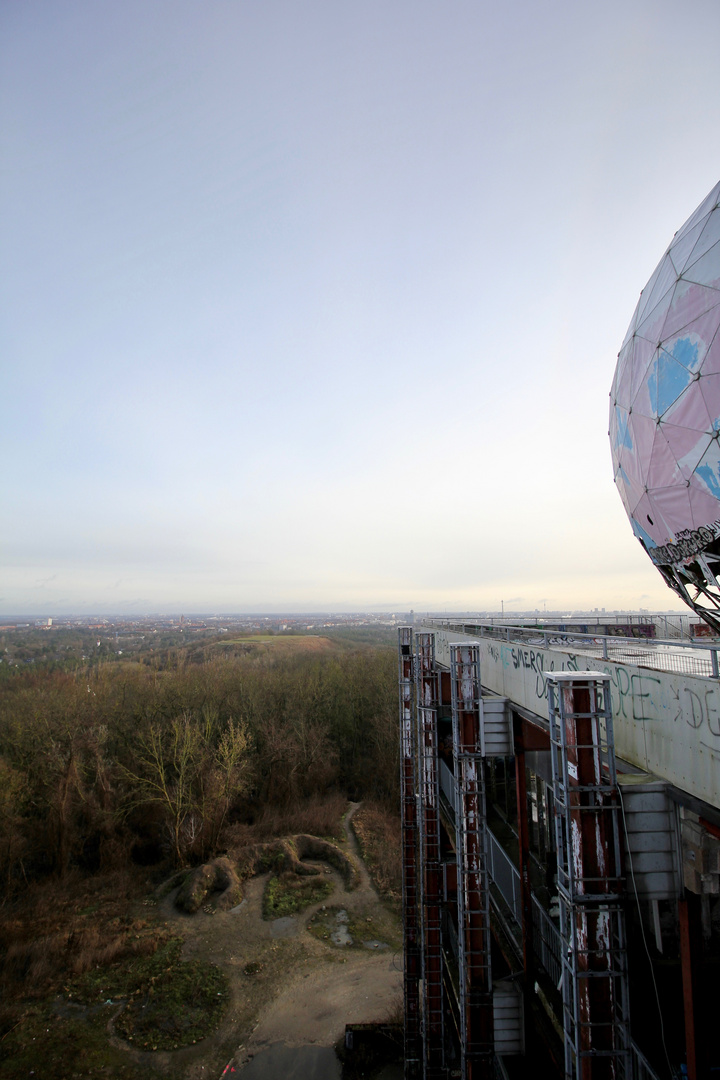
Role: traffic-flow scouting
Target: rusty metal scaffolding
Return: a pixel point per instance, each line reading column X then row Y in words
column 411, row 928
column 589, row 876
column 476, row 1004
column 431, row 880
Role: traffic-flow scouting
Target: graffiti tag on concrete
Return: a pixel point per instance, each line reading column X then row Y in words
column 666, row 723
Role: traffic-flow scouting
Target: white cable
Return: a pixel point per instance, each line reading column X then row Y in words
column 642, row 931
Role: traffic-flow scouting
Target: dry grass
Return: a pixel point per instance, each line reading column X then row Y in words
column 378, row 833
column 64, row 929
column 395, row 1012
column 319, row 816
column 279, row 643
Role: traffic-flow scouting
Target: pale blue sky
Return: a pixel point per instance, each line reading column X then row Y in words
column 312, row 305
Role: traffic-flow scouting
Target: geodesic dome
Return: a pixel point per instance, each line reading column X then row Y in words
column 665, row 414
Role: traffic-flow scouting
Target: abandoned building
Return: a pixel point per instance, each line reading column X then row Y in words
column 561, row 853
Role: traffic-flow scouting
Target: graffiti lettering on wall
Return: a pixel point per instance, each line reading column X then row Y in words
column 688, row 542
column 534, row 660
column 666, row 723
column 636, row 695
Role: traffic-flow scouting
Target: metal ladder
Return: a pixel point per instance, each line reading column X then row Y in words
column 476, row 1003
column 590, row 886
column 408, row 804
column 433, row 1027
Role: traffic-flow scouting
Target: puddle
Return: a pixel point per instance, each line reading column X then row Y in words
column 375, row 945
column 341, row 935
column 286, row 927
column 292, row 1063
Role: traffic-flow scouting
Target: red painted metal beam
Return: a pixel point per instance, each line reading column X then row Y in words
column 698, row 1024
column 595, row 872
column 408, row 802
column 519, row 731
column 432, row 873
column 477, row 1056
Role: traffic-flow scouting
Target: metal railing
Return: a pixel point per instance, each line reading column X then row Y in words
column 678, row 657
column 505, row 876
column 641, row 1067
column 547, row 941
column 447, row 785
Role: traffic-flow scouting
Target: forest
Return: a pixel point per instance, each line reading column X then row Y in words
column 137, row 762
column 116, row 774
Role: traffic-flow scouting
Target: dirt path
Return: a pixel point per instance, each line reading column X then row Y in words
column 344, row 985
column 314, row 1006
column 289, row 985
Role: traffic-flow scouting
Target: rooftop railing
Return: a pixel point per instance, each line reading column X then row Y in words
column 677, row 657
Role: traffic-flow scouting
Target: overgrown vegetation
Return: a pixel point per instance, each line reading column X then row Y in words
column 377, row 830
column 127, row 763
column 336, row 926
column 286, row 894
column 59, row 1047
column 117, row 776
column 169, row 1002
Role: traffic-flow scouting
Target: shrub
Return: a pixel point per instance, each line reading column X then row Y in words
column 377, row 830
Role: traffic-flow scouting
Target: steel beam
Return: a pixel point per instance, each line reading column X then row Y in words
column 524, row 853
column 476, row 1005
column 433, row 1028
column 408, row 804
column 698, row 1025
column 595, row 985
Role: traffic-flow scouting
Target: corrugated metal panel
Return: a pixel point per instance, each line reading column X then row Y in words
column 508, row 1018
column 496, row 730
column 651, row 839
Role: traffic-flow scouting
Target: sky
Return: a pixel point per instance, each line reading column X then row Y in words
column 316, row 305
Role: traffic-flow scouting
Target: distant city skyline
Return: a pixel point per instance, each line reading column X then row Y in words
column 398, row 612
column 315, row 307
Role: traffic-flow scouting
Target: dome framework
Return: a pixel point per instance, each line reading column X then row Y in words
column 665, row 414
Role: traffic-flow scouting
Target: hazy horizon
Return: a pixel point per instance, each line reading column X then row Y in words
column 314, row 306
column 398, row 610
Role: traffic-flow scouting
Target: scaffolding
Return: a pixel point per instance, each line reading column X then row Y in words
column 430, row 879
column 476, row 1003
column 411, row 930
column 589, row 878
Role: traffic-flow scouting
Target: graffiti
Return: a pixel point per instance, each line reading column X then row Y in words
column 712, row 713
column 525, row 658
column 534, row 660
column 697, row 708
column 633, row 693
column 637, row 696
column 666, row 723
column 688, row 543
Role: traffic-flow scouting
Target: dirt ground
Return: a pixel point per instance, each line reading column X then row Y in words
column 288, row 985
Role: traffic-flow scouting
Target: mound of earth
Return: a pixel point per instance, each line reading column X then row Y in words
column 294, row 982
column 225, row 875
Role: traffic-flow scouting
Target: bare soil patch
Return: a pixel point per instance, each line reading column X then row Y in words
column 280, row 980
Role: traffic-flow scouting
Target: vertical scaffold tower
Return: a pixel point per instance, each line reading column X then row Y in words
column 592, row 923
column 476, row 1006
column 433, row 1029
column 411, row 929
